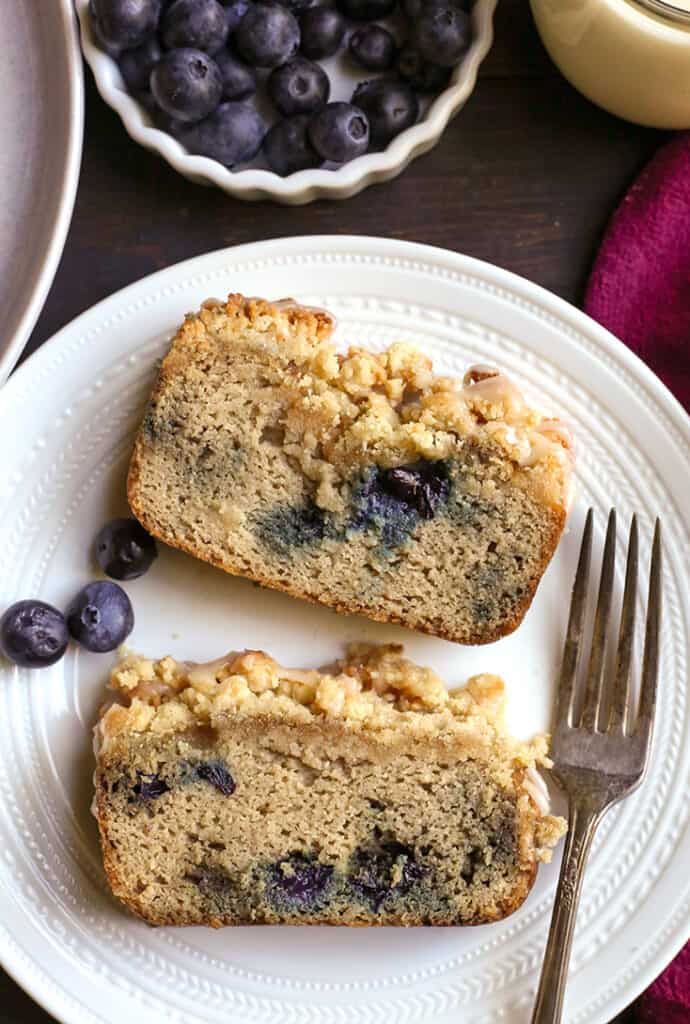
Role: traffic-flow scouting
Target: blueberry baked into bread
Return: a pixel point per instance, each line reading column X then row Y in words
column 361, row 481
column 367, row 794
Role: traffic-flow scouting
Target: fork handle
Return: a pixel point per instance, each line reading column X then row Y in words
column 549, row 1004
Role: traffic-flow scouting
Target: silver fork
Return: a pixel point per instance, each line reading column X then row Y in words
column 600, row 748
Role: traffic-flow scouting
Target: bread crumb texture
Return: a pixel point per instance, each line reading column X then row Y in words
column 239, row 791
column 360, row 480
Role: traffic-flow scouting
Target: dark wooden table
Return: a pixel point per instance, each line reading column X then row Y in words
column 526, row 177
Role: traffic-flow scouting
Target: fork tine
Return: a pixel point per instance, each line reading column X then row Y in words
column 650, row 661
column 576, row 621
column 595, row 673
column 620, row 700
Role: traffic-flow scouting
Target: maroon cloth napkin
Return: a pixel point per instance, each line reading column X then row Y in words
column 640, row 284
column 640, row 290
column 667, row 1000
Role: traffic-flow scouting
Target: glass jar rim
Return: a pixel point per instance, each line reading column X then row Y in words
column 666, row 9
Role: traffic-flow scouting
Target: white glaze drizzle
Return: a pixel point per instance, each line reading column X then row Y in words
column 537, row 789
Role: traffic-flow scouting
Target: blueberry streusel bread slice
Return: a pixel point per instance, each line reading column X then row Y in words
column 361, row 481
column 243, row 792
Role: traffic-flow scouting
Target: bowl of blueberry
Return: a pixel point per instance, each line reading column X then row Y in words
column 291, row 100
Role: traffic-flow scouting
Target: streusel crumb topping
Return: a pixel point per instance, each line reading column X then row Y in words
column 374, row 688
column 389, row 407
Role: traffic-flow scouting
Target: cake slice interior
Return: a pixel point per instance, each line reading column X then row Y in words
column 364, row 794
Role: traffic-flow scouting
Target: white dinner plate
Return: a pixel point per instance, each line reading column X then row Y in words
column 42, row 119
column 67, row 419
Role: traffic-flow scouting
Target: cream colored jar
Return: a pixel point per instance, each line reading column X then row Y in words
column 631, row 57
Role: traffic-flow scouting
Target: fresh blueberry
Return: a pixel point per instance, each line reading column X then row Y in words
column 123, row 24
column 298, row 7
column 239, row 80
column 323, row 31
column 100, row 617
column 136, row 65
column 33, row 634
column 149, row 786
column 339, row 132
column 268, row 35
column 187, row 84
column 413, row 9
column 373, row 47
column 200, row 24
column 149, row 104
column 390, row 106
column 99, row 39
column 124, row 549
column 386, row 869
column 168, row 124
column 231, row 135
column 288, row 148
column 442, row 34
column 217, row 774
column 299, row 87
column 298, row 880
column 420, row 73
column 235, row 10
column 366, row 10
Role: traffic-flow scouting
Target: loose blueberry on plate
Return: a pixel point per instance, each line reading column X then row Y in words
column 323, row 31
column 299, row 87
column 366, row 10
column 33, row 634
column 100, row 617
column 390, row 106
column 136, row 65
column 235, row 10
column 373, row 47
column 339, row 132
column 232, row 134
column 123, row 24
column 124, row 549
column 239, row 80
column 187, row 84
column 442, row 34
column 420, row 73
column 288, row 148
column 200, row 24
column 267, row 36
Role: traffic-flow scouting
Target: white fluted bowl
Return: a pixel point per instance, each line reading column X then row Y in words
column 305, row 186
